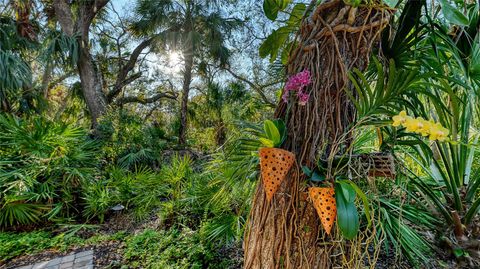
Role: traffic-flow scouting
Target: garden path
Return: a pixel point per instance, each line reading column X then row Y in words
column 79, row 260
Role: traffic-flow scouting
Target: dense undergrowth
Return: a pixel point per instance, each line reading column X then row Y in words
column 196, row 211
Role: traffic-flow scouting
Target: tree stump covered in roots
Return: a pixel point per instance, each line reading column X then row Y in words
column 286, row 232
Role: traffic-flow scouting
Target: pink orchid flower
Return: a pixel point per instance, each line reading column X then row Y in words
column 297, row 83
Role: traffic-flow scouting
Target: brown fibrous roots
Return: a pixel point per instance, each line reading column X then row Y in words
column 286, row 232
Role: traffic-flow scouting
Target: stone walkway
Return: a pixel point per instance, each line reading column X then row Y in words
column 80, row 260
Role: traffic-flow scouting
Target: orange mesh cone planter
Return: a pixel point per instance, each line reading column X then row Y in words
column 324, row 202
column 274, row 165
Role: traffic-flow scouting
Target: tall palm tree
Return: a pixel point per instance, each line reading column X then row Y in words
column 196, row 28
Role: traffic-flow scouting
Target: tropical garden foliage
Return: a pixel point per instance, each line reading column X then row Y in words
column 176, row 134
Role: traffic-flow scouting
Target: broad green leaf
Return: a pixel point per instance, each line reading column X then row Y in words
column 347, row 215
column 297, row 14
column 453, row 14
column 347, row 191
column 286, row 52
column 272, row 132
column 316, row 177
column 274, row 42
column 364, row 198
column 272, row 7
column 267, row 47
column 282, row 129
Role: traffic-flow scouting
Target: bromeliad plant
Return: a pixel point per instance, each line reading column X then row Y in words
column 274, row 162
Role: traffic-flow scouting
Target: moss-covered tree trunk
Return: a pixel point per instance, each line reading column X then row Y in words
column 286, row 233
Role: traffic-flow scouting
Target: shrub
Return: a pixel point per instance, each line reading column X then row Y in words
column 142, row 190
column 129, row 142
column 43, row 166
column 172, row 249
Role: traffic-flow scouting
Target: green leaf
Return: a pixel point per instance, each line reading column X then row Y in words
column 297, row 14
column 347, row 215
column 348, row 191
column 272, row 132
column 364, row 198
column 282, row 129
column 272, row 7
column 316, row 177
column 267, row 142
column 474, row 64
column 453, row 14
column 458, row 252
column 472, row 211
column 285, row 56
column 274, row 42
column 307, row 171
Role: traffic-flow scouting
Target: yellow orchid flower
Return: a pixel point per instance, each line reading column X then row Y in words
column 413, row 125
column 400, row 119
column 426, row 126
column 444, row 135
column 438, row 132
column 435, row 131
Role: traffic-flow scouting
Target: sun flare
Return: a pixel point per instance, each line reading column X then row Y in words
column 174, row 61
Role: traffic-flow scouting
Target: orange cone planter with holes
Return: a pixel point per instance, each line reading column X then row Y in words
column 324, row 202
column 274, row 165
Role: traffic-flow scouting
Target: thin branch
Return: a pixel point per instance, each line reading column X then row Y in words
column 256, row 88
column 153, row 99
column 59, row 79
column 122, row 79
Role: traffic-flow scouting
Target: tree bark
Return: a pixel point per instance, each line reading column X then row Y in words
column 91, row 86
column 286, row 233
column 89, row 75
column 187, row 80
column 46, row 78
column 188, row 55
